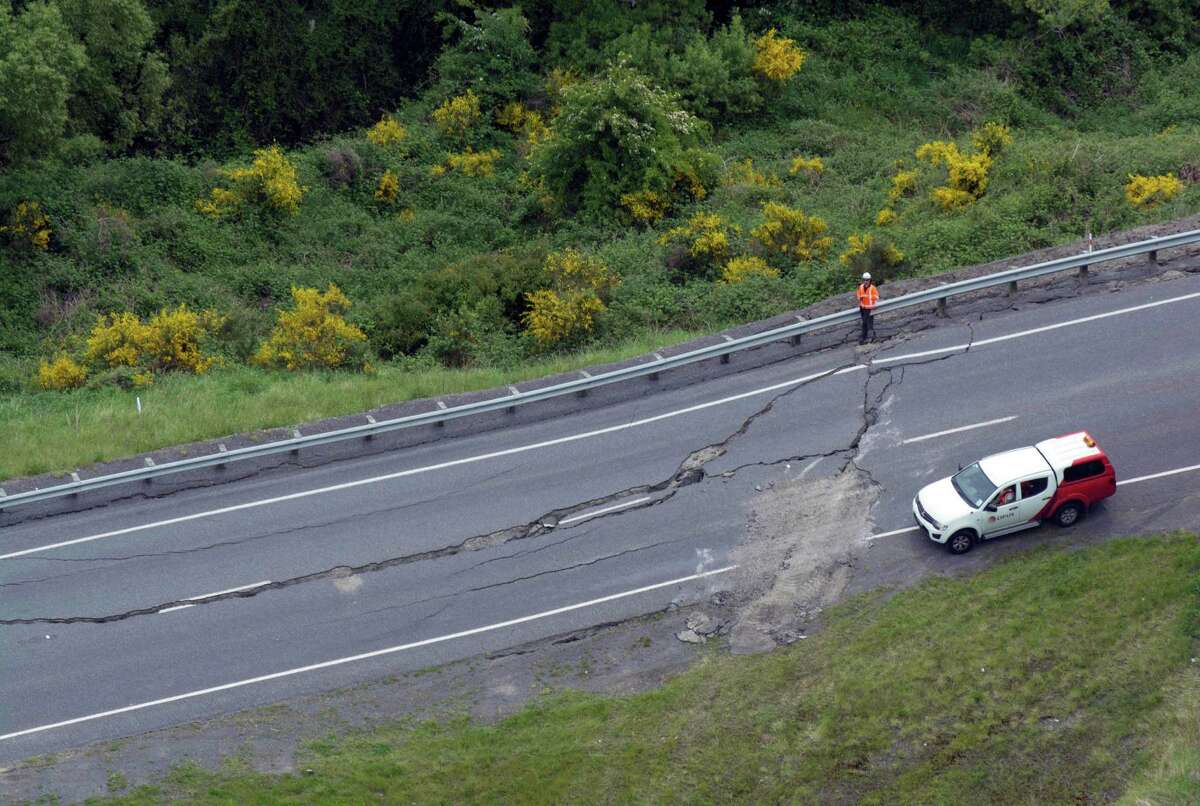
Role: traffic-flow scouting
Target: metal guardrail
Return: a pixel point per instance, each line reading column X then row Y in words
column 938, row 294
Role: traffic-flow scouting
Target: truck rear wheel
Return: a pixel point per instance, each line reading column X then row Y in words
column 1068, row 514
column 960, row 542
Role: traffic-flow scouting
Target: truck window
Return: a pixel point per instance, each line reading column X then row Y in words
column 1086, row 470
column 1034, row 487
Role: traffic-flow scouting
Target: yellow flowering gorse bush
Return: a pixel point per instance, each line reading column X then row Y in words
column 1147, row 192
column 904, row 183
column 810, row 166
column 469, row 163
column 389, row 188
column 518, row 119
column 740, row 268
column 885, row 216
column 387, row 132
column 270, row 181
column 991, row 138
column 61, row 374
column 314, row 334
column 171, row 340
column 744, row 173
column 777, row 58
column 860, row 244
column 966, row 174
column 455, row 117
column 707, row 235
column 29, row 224
column 646, row 206
column 566, row 310
column 791, row 233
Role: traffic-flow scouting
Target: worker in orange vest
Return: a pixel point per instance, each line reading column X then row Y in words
column 868, row 298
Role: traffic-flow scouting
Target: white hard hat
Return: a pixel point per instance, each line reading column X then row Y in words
column 866, row 275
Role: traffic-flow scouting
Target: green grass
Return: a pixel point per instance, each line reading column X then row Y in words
column 58, row 432
column 1055, row 677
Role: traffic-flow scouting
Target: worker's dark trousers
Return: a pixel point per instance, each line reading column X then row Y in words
column 867, row 324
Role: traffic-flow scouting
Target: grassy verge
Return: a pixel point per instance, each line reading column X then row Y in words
column 57, row 432
column 1055, row 677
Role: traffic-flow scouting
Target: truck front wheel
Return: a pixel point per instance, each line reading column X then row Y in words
column 960, row 542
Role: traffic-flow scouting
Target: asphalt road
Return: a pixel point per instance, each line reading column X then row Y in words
column 362, row 569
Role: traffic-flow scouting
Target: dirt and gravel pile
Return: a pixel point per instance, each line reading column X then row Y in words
column 797, row 557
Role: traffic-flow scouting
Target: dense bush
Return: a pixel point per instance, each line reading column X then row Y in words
column 314, row 334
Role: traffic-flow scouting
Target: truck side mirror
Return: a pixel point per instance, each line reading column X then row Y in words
column 960, row 467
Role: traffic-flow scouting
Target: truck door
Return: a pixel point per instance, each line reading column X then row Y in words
column 1035, row 493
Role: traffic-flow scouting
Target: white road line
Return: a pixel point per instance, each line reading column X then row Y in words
column 251, row 586
column 1174, row 472
column 426, row 469
column 365, row 655
column 1036, row 330
column 956, row 430
column 605, row 511
column 905, row 530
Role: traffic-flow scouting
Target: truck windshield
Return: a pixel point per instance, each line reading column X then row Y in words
column 973, row 485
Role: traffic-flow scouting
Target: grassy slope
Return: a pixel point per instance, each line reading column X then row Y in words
column 871, row 91
column 1055, row 677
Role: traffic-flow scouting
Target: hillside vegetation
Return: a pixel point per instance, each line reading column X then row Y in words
column 1057, row 677
column 265, row 189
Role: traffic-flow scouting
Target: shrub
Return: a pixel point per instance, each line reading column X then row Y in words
column 714, row 75
column 791, row 233
column 744, row 173
column 491, row 57
column 991, row 138
column 812, row 167
column 314, row 334
column 885, row 216
column 967, row 174
column 29, row 225
column 1147, row 192
column 904, row 183
column 527, row 123
column 387, row 132
column 740, row 268
column 567, row 310
column 389, row 188
column 777, row 58
column 866, row 253
column 458, row 115
column 270, row 182
column 61, row 375
column 172, row 340
column 616, row 134
column 646, row 206
column 703, row 244
column 342, row 167
column 470, row 163
column 400, row 324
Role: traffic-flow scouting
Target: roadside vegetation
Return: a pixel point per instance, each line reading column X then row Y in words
column 1055, row 677
column 532, row 181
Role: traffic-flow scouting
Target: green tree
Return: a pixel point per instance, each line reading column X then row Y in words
column 118, row 96
column 617, row 134
column 492, row 57
column 39, row 61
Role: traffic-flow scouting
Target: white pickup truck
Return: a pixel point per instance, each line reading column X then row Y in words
column 1058, row 479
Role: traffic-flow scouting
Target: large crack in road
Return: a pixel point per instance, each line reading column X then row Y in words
column 691, row 470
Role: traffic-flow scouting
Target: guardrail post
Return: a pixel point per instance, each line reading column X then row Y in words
column 1012, row 287
column 941, row 306
column 1153, row 255
column 1083, row 273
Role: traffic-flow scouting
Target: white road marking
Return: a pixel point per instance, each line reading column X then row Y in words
column 956, row 430
column 1176, row 471
column 605, row 511
column 426, row 469
column 251, row 586
column 585, row 435
column 1036, row 330
column 905, row 530
column 365, row 655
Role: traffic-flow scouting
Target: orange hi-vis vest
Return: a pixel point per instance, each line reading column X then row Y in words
column 868, row 296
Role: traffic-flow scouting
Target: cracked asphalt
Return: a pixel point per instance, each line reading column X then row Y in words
column 467, row 532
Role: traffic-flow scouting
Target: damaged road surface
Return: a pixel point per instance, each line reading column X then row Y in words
column 760, row 489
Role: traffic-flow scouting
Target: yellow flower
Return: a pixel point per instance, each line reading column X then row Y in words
column 61, row 375
column 813, row 166
column 455, row 117
column 791, row 233
column 740, row 268
column 387, row 132
column 1147, row 192
column 886, row 216
column 389, row 188
column 646, row 206
column 777, row 59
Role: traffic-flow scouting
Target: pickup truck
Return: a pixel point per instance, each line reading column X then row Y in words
column 1057, row 479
